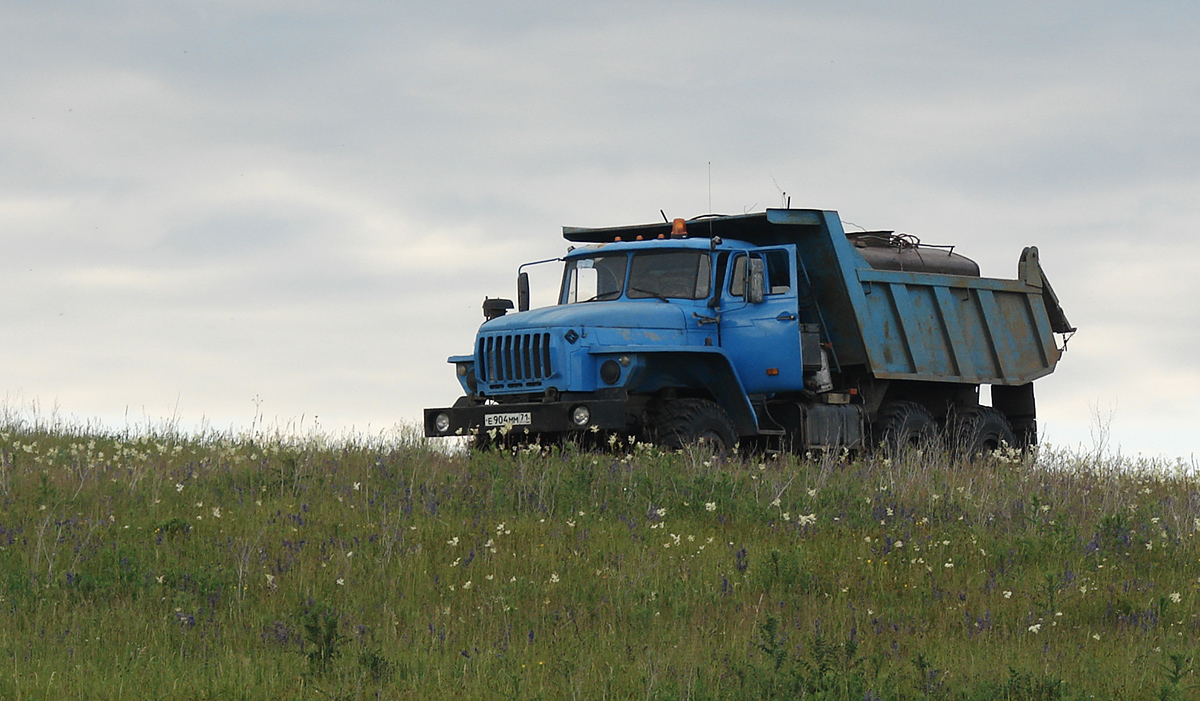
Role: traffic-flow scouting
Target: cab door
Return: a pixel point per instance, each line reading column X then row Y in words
column 762, row 339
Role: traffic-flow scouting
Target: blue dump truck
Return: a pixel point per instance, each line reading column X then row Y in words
column 775, row 328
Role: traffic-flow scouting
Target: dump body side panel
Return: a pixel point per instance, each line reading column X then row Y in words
column 948, row 328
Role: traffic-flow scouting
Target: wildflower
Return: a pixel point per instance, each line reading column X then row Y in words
column 1035, row 627
column 160, row 578
column 813, row 493
column 949, row 565
column 1008, row 595
column 357, row 486
column 570, row 523
column 775, row 503
column 466, row 585
column 1175, row 597
column 452, row 541
column 710, row 506
column 787, row 516
column 807, row 520
column 350, row 554
column 661, row 512
column 178, row 487
column 341, row 582
column 270, row 579
column 1095, row 636
column 489, row 577
column 216, row 512
column 554, row 578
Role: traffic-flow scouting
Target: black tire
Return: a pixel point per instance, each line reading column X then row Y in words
column 680, row 422
column 981, row 430
column 904, row 426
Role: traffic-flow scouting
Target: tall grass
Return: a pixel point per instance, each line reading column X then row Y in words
column 152, row 564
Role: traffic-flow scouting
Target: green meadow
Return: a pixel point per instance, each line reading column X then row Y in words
column 153, row 564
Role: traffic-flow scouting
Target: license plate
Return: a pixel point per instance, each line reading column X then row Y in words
column 520, row 418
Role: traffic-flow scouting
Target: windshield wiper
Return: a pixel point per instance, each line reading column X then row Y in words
column 600, row 296
column 652, row 293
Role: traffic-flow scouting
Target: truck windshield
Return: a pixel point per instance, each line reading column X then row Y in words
column 651, row 274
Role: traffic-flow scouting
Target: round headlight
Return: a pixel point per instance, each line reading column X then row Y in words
column 463, row 369
column 581, row 415
column 624, row 361
column 610, row 372
column 442, row 422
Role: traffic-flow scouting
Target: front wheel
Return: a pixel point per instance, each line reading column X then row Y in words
column 676, row 423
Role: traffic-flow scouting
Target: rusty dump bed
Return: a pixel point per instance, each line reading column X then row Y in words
column 901, row 324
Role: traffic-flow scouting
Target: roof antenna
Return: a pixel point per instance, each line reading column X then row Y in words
column 710, row 187
column 664, row 216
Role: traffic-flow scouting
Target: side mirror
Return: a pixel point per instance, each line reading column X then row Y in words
column 523, row 292
column 755, row 281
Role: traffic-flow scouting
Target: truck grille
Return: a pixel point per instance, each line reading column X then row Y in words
column 515, row 357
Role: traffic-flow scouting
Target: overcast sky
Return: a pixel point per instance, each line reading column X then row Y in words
column 213, row 209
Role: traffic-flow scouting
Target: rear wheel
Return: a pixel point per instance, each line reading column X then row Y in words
column 904, row 426
column 982, row 430
column 679, row 422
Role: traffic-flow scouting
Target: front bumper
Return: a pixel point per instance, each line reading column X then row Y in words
column 469, row 418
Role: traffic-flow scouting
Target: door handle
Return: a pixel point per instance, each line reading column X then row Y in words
column 786, row 316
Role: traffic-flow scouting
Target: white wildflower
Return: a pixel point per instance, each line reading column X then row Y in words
column 710, row 506
column 1035, row 627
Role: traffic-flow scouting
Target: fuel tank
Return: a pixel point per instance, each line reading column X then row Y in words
column 887, row 250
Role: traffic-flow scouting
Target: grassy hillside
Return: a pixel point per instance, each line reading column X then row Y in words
column 182, row 567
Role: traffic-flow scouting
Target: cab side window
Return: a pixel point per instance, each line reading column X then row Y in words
column 778, row 272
